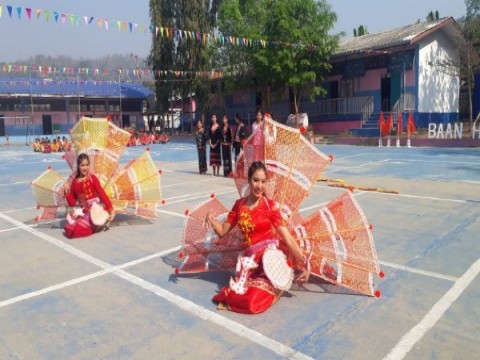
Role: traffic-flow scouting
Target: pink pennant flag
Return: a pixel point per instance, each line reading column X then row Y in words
column 63, row 18
column 29, row 13
column 135, row 25
column 156, row 31
column 106, row 25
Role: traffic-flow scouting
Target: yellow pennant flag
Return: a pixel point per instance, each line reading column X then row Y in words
column 39, row 12
column 0, row 10
column 71, row 17
column 47, row 15
column 100, row 22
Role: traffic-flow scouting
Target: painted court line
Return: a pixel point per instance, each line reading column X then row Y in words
column 184, row 304
column 408, row 341
column 81, row 279
column 419, row 271
column 204, row 196
column 356, row 166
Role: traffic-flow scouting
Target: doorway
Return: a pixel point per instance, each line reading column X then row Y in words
column 47, row 124
column 385, row 96
column 2, row 125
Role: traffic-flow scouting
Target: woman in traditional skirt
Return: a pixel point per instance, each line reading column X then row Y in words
column 86, row 192
column 215, row 146
column 240, row 135
column 253, row 290
column 227, row 147
column 201, row 138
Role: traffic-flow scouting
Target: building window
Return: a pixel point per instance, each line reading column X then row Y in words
column 346, row 88
column 114, row 108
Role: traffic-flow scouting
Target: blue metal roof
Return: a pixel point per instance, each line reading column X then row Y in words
column 88, row 88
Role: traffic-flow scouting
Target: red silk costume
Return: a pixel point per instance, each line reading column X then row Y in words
column 85, row 191
column 258, row 227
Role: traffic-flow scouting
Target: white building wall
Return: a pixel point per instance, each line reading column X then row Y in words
column 438, row 86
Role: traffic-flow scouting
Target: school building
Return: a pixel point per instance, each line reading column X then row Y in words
column 36, row 107
column 405, row 69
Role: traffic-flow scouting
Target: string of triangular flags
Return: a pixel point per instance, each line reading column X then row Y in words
column 163, row 31
column 55, row 82
column 9, row 69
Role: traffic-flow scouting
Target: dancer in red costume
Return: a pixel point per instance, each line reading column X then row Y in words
column 263, row 228
column 86, row 190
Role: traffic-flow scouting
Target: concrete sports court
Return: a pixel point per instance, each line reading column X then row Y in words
column 113, row 295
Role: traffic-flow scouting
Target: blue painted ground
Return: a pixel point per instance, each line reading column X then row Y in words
column 426, row 238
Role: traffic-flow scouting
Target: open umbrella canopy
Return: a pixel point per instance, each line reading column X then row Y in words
column 135, row 189
column 292, row 162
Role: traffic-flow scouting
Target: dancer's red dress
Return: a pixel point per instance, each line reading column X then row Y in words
column 85, row 191
column 258, row 227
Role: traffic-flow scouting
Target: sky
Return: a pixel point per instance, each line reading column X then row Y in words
column 21, row 39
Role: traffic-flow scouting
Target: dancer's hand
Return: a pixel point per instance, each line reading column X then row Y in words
column 209, row 219
column 303, row 277
column 111, row 216
column 66, row 188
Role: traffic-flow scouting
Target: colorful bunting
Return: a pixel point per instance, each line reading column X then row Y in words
column 171, row 33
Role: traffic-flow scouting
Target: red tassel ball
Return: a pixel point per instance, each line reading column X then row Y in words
column 381, row 274
column 147, row 149
column 370, row 227
column 351, row 188
column 330, row 158
column 180, row 255
column 231, row 174
column 289, row 263
column 303, row 130
column 244, row 142
column 186, row 212
column 163, row 202
column 49, row 168
column 109, row 118
column 212, row 195
column 160, row 172
column 177, row 270
column 378, row 293
column 36, row 219
column 38, row 207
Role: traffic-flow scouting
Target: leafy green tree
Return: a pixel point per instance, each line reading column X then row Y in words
column 362, row 30
column 469, row 49
column 433, row 16
column 297, row 54
column 179, row 53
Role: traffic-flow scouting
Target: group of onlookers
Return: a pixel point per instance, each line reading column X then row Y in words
column 138, row 138
column 221, row 139
column 46, row 145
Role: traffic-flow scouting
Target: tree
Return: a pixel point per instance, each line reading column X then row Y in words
column 469, row 49
column 433, row 16
column 173, row 53
column 362, row 30
column 297, row 54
